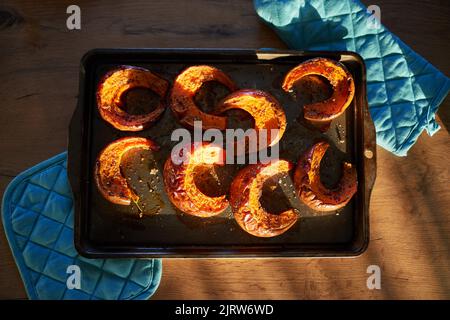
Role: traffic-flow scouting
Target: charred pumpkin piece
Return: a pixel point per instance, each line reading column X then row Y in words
column 245, row 194
column 116, row 84
column 340, row 79
column 108, row 177
column 179, row 180
column 186, row 86
column 311, row 190
column 263, row 107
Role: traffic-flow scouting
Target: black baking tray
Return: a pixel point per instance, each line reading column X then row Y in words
column 106, row 230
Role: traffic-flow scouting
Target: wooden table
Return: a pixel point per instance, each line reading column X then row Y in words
column 409, row 216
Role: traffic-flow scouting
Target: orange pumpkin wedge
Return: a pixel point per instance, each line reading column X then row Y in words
column 311, row 190
column 186, row 86
column 264, row 109
column 116, row 84
column 180, row 185
column 341, row 82
column 110, row 182
column 245, row 194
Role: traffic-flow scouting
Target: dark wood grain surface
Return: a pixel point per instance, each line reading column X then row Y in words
column 409, row 216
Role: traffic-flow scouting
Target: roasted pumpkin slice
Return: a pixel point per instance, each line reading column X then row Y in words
column 340, row 80
column 179, row 180
column 264, row 108
column 113, row 87
column 245, row 194
column 108, row 177
column 310, row 188
column 186, row 86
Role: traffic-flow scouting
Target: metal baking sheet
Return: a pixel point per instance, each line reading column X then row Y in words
column 103, row 229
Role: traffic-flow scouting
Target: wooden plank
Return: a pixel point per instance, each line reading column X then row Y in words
column 410, row 220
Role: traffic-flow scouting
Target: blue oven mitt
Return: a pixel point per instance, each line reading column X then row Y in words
column 404, row 90
column 37, row 215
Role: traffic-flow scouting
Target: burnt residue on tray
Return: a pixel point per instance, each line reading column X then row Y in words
column 143, row 229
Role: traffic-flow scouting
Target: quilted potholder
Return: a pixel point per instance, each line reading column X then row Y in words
column 404, row 90
column 37, row 215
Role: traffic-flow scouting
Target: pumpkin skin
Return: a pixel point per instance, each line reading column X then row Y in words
column 246, row 190
column 184, row 89
column 340, row 79
column 263, row 107
column 113, row 87
column 311, row 190
column 108, row 178
column 180, row 185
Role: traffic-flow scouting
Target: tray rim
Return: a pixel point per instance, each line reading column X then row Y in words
column 75, row 143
